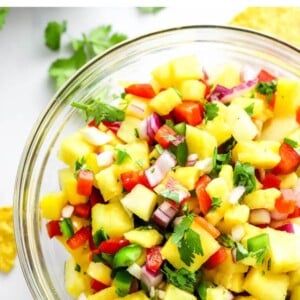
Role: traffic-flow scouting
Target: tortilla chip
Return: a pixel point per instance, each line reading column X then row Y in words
column 280, row 22
column 8, row 250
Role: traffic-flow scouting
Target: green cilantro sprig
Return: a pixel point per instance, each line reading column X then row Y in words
column 187, row 240
column 182, row 278
column 267, row 88
column 215, row 203
column 53, row 33
column 3, row 14
column 121, row 156
column 249, row 109
column 243, row 175
column 99, row 111
column 211, row 111
column 220, row 159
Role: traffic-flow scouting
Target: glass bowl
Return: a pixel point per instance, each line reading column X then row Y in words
column 42, row 260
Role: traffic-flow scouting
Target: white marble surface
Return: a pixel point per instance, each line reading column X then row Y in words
column 25, row 88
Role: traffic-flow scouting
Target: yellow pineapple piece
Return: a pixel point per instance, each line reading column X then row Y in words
column 236, row 214
column 162, row 76
column 200, row 142
column 51, row 205
column 187, row 176
column 68, row 185
column 227, row 75
column 209, row 245
column 138, row 107
column 295, row 136
column 260, row 154
column 165, row 101
column 100, row 272
column 112, row 217
column 73, row 148
column 294, row 279
column 172, row 292
column 287, row 97
column 265, row 285
column 109, row 183
column 262, row 198
column 147, row 238
column 295, row 294
column 192, row 89
column 128, row 129
column 288, row 181
column 106, row 294
column 227, row 174
column 218, row 292
column 140, row 295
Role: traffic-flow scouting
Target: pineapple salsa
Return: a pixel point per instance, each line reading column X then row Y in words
column 189, row 192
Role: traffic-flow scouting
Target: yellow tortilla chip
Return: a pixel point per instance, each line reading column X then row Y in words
column 281, row 22
column 7, row 241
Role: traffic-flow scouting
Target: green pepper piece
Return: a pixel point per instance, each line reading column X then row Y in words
column 202, row 289
column 180, row 128
column 99, row 236
column 181, row 151
column 127, row 256
column 66, row 228
column 122, row 282
column 258, row 242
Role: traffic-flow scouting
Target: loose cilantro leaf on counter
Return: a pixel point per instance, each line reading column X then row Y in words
column 53, row 33
column 182, row 278
column 150, row 10
column 99, row 111
column 187, row 240
column 211, row 111
column 244, row 175
column 3, row 13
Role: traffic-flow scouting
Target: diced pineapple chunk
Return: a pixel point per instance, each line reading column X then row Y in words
column 276, row 129
column 265, row 285
column 242, row 127
column 165, row 101
column 294, row 279
column 193, row 90
column 288, row 181
column 262, row 199
column 187, row 176
column 295, row 136
column 260, row 154
column 73, row 148
column 227, row 174
column 200, row 142
column 141, row 201
column 51, row 205
column 163, row 76
column 287, row 97
column 209, row 245
column 68, row 185
column 128, row 129
column 100, row 272
column 140, row 295
column 147, row 238
column 109, row 183
column 112, row 217
column 218, row 292
column 237, row 214
column 138, row 107
column 295, row 294
column 228, row 75
column 75, row 282
column 106, row 294
column 172, row 292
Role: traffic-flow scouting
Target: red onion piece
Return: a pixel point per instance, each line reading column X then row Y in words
column 192, row 159
column 149, row 127
column 288, row 227
column 260, row 216
column 113, row 126
column 150, row 279
column 221, row 93
column 164, row 214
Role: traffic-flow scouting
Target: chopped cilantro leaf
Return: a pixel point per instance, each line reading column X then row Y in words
column 249, row 109
column 202, row 289
column 220, row 159
column 99, row 111
column 169, row 194
column 80, row 164
column 244, row 175
column 187, row 240
column 121, row 156
column 150, row 10
column 77, row 268
column 241, row 252
column 226, row 241
column 53, row 33
column 290, row 142
column 211, row 111
column 215, row 203
column 182, row 278
column 267, row 88
column 3, row 13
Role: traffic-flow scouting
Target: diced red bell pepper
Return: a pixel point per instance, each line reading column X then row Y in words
column 53, row 228
column 265, row 76
column 190, row 112
column 79, row 238
column 130, row 179
column 165, row 135
column 95, row 197
column 85, row 182
column 271, row 181
column 217, row 258
column 289, row 161
column 154, row 259
column 92, row 123
column 203, row 197
column 113, row 126
column 144, row 90
column 98, row 285
column 295, row 213
column 298, row 115
column 207, row 88
column 113, row 245
column 285, row 206
column 82, row 210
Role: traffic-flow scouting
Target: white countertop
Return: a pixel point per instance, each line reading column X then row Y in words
column 25, row 87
